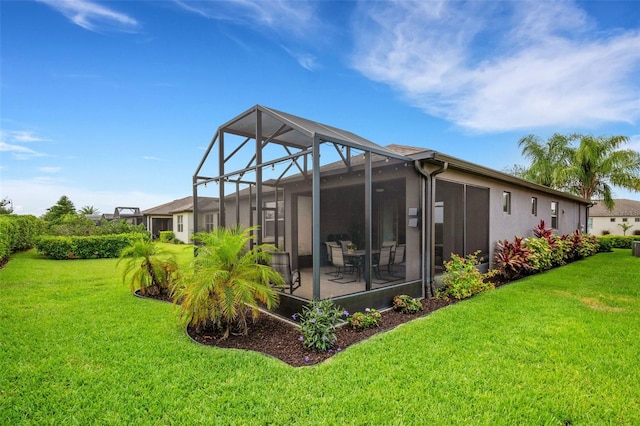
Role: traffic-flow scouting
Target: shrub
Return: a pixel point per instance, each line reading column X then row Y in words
column 605, row 245
column 406, row 304
column 560, row 250
column 361, row 320
column 93, row 247
column 582, row 245
column 511, row 258
column 540, row 256
column 462, row 279
column 19, row 232
column 146, row 270
column 541, row 231
column 619, row 241
column 228, row 281
column 318, row 321
column 606, row 232
column 167, row 236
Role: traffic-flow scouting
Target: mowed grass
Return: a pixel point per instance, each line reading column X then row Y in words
column 564, row 346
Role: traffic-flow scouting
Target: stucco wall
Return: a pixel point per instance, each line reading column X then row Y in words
column 600, row 224
column 571, row 214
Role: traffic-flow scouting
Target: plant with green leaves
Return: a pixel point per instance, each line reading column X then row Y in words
column 625, row 227
column 228, row 282
column 147, row 269
column 540, row 254
column 591, row 169
column 462, row 279
column 361, row 320
column 406, row 304
column 318, row 322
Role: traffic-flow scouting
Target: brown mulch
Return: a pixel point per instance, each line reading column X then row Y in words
column 278, row 338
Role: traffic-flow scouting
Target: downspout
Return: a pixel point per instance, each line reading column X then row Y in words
column 428, row 209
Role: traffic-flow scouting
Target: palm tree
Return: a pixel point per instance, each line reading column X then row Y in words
column 88, row 210
column 228, row 281
column 144, row 268
column 590, row 170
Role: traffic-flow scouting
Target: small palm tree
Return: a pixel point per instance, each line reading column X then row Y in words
column 144, row 268
column 625, row 227
column 228, row 281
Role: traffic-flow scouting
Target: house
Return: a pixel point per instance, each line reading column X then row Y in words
column 177, row 216
column 308, row 184
column 625, row 214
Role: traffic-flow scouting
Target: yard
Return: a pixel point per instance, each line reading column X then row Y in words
column 562, row 347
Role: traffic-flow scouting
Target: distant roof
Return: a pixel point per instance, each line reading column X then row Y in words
column 183, row 205
column 123, row 212
column 623, row 208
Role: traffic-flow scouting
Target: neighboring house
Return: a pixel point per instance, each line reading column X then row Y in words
column 131, row 215
column 604, row 221
column 334, row 184
column 177, row 216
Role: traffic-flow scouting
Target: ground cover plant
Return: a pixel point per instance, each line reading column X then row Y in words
column 558, row 347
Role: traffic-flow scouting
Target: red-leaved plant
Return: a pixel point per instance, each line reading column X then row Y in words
column 512, row 258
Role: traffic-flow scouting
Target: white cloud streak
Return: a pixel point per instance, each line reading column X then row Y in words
column 11, row 140
column 93, row 16
column 500, row 66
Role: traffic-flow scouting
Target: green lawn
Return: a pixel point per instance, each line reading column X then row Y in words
column 77, row 348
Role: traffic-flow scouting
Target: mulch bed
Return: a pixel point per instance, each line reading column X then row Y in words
column 277, row 338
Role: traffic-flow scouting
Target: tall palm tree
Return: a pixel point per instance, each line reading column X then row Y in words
column 589, row 170
column 546, row 158
column 228, row 281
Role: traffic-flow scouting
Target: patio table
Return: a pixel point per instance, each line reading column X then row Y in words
column 356, row 258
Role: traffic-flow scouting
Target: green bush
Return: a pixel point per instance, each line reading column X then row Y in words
column 619, row 241
column 92, row 247
column 462, row 279
column 318, row 321
column 605, row 245
column 406, row 304
column 560, row 249
column 540, row 254
column 369, row 318
column 18, row 233
column 167, row 236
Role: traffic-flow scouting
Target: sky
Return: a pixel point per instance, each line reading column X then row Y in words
column 113, row 103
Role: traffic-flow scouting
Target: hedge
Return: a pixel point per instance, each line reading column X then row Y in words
column 18, row 233
column 91, row 247
column 618, row 241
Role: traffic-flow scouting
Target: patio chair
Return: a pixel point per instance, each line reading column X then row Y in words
column 384, row 260
column 345, row 245
column 329, row 244
column 338, row 261
column 398, row 257
column 281, row 263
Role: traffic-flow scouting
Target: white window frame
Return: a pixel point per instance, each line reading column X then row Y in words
column 555, row 208
column 506, row 202
column 180, row 219
column 534, row 206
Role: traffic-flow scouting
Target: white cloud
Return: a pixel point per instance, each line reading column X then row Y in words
column 19, row 152
column 35, row 196
column 150, row 158
column 93, row 16
column 498, row 66
column 10, row 141
column 292, row 17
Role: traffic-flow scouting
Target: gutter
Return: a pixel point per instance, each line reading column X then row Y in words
column 428, row 213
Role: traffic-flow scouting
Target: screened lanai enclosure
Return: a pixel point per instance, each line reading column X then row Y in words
column 345, row 210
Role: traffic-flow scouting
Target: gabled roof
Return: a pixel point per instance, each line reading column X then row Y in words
column 182, row 205
column 623, row 208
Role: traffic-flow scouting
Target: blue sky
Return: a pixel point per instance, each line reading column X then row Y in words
column 113, row 103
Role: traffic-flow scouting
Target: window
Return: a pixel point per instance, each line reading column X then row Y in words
column 506, row 202
column 180, row 223
column 613, row 219
column 208, row 222
column 624, row 219
column 637, row 219
column 534, row 206
column 554, row 214
column 269, row 226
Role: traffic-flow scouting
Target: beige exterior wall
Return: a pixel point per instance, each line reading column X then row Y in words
column 598, row 225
